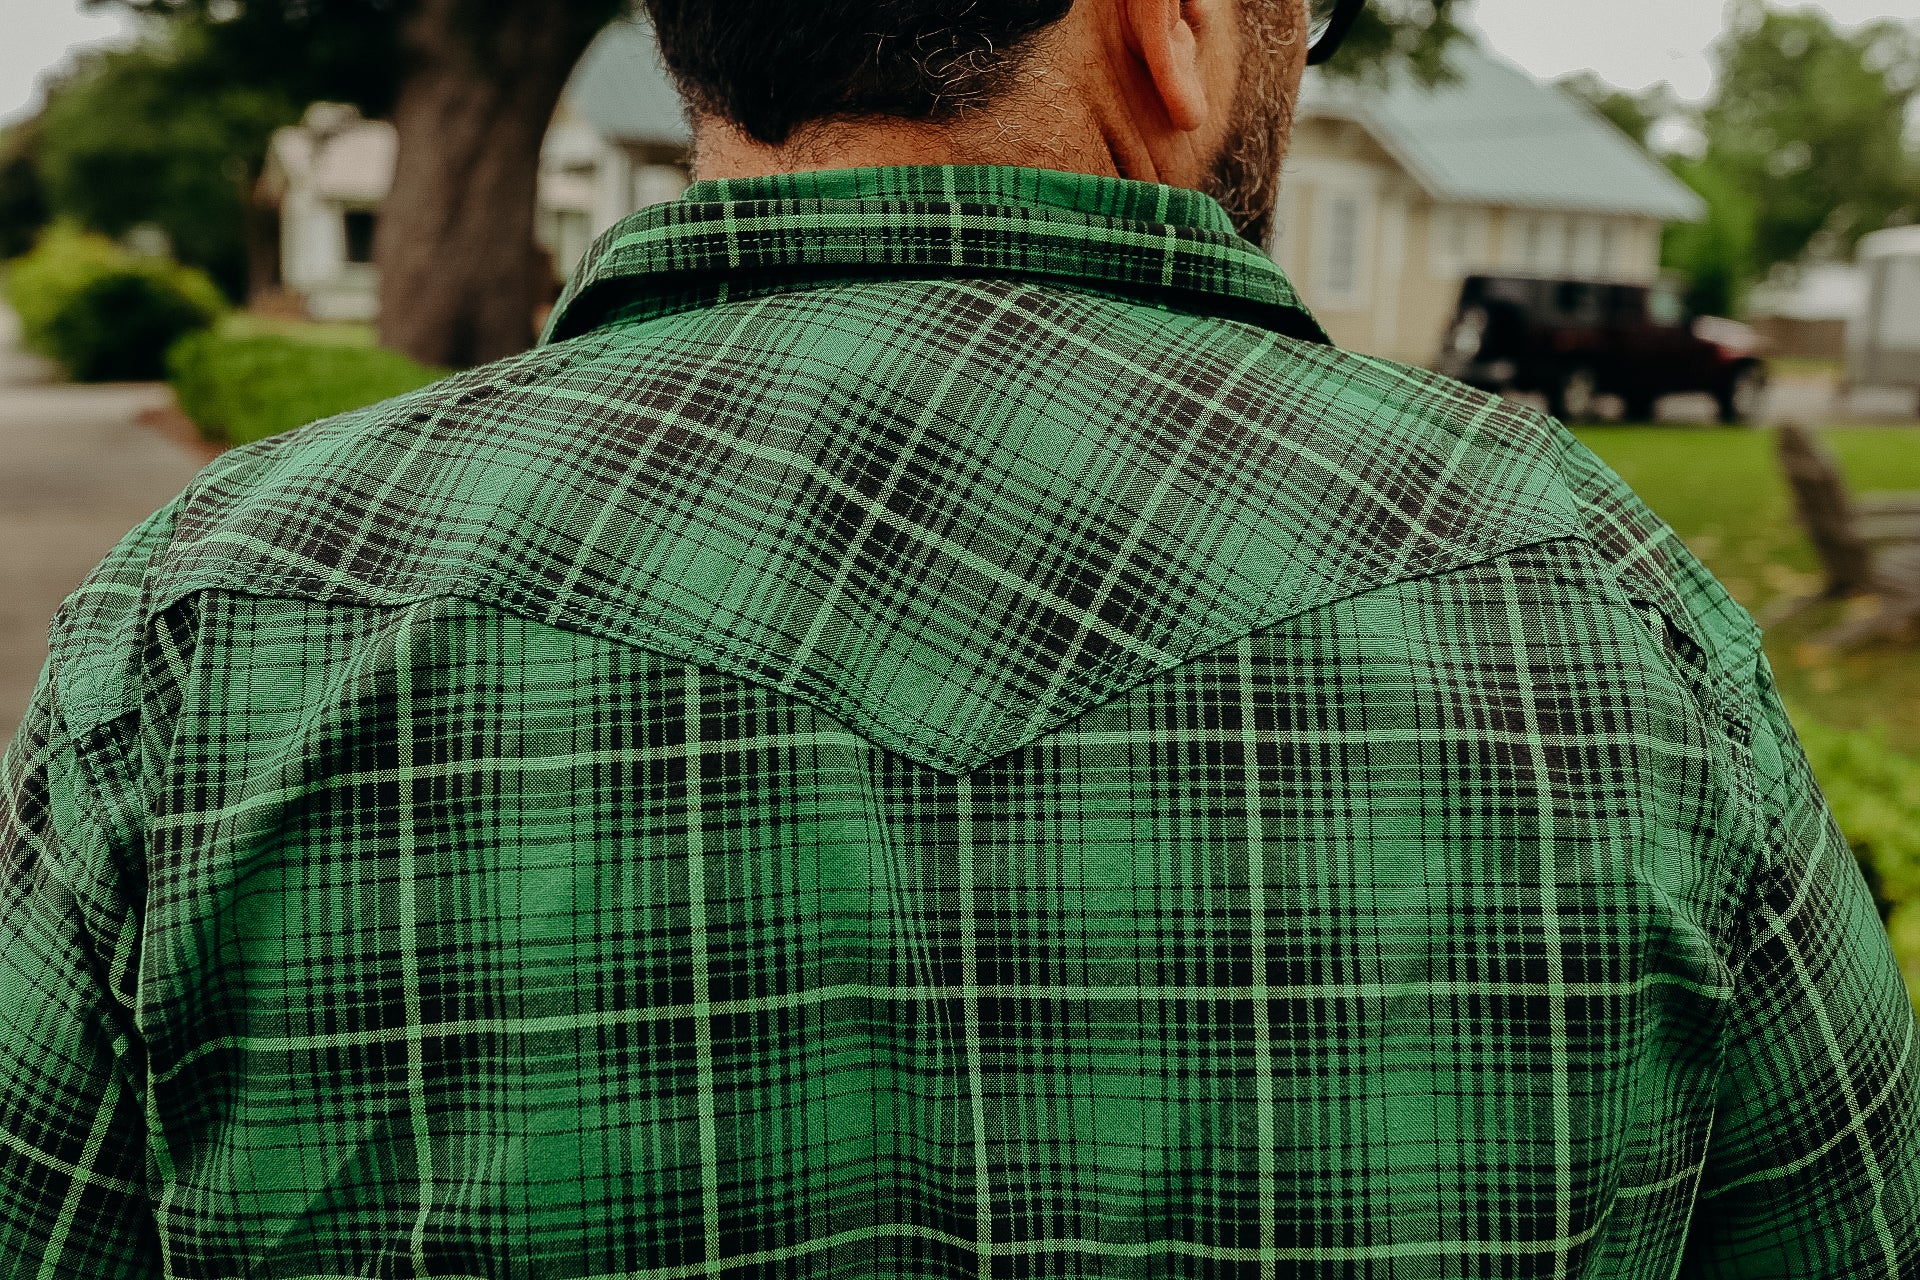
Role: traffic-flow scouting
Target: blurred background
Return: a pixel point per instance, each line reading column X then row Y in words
column 1689, row 228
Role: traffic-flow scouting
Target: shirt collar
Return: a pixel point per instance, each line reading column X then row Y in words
column 727, row 237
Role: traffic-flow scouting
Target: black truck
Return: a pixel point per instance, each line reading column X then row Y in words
column 1576, row 341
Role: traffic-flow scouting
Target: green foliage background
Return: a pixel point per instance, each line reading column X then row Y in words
column 23, row 195
column 102, row 312
column 1803, row 147
column 239, row 386
column 1810, row 122
column 153, row 135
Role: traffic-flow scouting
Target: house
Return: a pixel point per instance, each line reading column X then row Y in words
column 1883, row 345
column 619, row 141
column 326, row 178
column 1393, row 194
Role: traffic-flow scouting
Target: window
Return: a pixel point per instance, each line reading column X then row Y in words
column 1534, row 243
column 1453, row 237
column 1457, row 242
column 1608, row 263
column 359, row 225
column 1519, row 293
column 1577, row 303
column 1665, row 309
column 1341, row 234
column 1547, row 251
column 1626, row 304
column 566, row 234
column 657, row 183
column 1518, row 242
column 1585, row 257
column 1538, row 243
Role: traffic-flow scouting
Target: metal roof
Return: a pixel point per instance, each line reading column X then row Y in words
column 1498, row 136
column 334, row 154
column 623, row 90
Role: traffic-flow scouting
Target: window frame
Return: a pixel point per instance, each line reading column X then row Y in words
column 1354, row 292
column 353, row 214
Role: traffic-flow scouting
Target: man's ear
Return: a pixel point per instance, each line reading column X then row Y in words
column 1168, row 37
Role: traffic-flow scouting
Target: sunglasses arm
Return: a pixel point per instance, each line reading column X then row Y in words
column 1329, row 42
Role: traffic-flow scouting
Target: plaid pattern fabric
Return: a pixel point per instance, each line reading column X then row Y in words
column 936, row 730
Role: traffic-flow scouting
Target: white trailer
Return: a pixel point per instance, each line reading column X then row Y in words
column 1883, row 343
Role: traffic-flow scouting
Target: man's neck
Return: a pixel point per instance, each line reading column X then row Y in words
column 721, row 151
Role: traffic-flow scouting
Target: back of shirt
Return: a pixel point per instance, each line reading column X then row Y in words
column 918, row 776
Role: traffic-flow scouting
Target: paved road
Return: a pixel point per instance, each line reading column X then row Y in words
column 76, row 472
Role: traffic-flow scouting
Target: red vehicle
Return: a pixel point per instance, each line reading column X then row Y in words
column 1576, row 341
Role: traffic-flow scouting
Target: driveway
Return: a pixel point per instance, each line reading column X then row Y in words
column 76, row 472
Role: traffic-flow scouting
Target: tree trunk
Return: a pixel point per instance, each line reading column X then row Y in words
column 455, row 242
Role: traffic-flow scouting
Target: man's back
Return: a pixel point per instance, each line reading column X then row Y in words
column 907, row 759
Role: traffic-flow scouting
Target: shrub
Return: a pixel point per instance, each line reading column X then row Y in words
column 239, row 387
column 102, row 312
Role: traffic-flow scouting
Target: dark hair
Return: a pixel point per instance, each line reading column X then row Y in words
column 770, row 66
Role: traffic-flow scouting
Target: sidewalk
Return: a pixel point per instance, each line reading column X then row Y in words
column 76, row 472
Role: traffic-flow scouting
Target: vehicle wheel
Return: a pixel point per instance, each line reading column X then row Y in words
column 1642, row 408
column 1741, row 399
column 1577, row 398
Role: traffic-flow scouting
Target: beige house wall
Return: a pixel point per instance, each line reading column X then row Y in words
column 1381, row 264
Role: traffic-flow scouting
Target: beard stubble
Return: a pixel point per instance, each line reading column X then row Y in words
column 1245, row 177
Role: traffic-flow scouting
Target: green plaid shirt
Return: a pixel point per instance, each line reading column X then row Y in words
column 934, row 729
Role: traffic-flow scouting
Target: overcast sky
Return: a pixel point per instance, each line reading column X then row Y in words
column 1631, row 43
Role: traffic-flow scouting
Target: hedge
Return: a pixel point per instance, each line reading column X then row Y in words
column 102, row 312
column 238, row 388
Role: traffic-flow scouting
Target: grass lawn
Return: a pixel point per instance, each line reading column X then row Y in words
column 249, row 324
column 1721, row 491
column 1858, row 715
